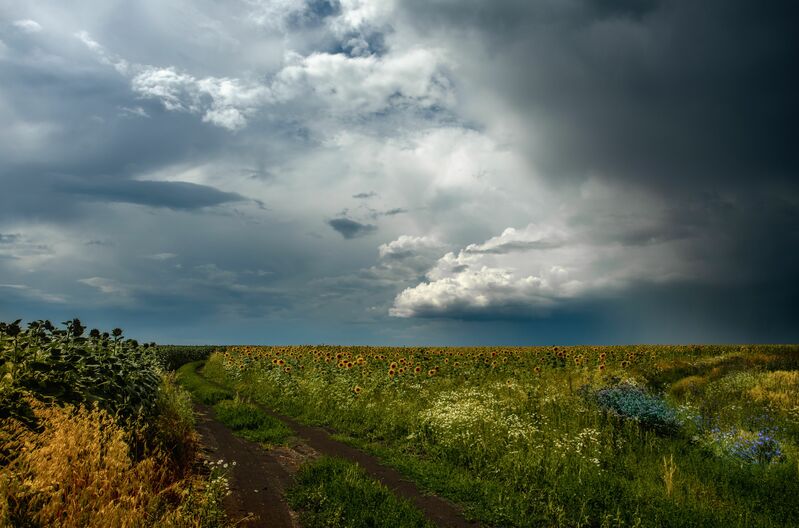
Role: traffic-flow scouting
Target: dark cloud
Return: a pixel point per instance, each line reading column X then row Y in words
column 350, row 229
column 660, row 131
column 670, row 95
column 174, row 195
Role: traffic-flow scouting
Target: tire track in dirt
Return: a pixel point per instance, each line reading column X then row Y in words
column 259, row 478
column 437, row 509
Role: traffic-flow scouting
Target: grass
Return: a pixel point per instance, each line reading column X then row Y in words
column 335, row 493
column 243, row 418
column 251, row 423
column 200, row 389
column 525, row 437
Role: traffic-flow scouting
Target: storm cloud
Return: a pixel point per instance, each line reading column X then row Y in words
column 370, row 171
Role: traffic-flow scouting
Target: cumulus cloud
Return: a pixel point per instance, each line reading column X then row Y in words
column 526, row 272
column 338, row 84
column 224, row 102
column 347, row 85
column 407, row 246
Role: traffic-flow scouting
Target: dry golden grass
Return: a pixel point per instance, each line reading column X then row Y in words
column 689, row 385
column 77, row 472
column 779, row 389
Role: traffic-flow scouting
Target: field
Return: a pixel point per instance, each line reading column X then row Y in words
column 575, row 436
column 96, row 430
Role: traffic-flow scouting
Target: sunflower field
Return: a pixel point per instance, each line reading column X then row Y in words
column 557, row 436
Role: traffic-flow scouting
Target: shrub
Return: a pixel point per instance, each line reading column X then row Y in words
column 631, row 402
column 745, row 446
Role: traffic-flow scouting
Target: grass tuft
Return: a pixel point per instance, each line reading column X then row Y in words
column 335, row 493
column 250, row 422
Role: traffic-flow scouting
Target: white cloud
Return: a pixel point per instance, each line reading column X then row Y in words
column 28, row 25
column 407, row 246
column 531, row 237
column 225, row 102
column 335, row 84
column 366, row 84
column 493, row 291
column 523, row 272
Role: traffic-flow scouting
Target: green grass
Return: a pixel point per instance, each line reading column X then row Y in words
column 200, row 389
column 251, row 423
column 335, row 493
column 520, row 437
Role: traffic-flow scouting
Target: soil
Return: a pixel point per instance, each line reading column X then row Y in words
column 258, row 480
column 260, row 477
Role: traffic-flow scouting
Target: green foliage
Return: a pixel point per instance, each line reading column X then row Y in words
column 250, row 422
column 335, row 493
column 172, row 357
column 200, row 389
column 632, row 402
column 64, row 366
column 174, row 423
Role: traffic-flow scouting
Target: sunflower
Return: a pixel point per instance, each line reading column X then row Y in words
column 537, row 370
column 431, row 372
column 417, row 370
column 357, row 389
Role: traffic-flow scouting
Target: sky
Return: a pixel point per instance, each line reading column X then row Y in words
column 402, row 172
